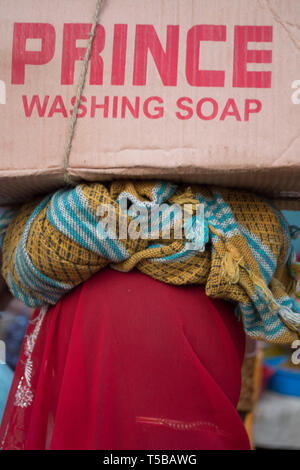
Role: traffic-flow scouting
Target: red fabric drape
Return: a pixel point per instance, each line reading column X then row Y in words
column 127, row 362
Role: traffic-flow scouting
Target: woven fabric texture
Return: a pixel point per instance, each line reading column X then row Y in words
column 243, row 253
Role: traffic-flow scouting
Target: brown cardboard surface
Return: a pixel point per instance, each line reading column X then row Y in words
column 173, row 125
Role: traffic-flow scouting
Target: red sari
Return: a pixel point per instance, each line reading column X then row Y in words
column 127, row 362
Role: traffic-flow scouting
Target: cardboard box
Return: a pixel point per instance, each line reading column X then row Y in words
column 194, row 90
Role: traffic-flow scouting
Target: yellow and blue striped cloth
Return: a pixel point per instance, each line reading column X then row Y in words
column 243, row 254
